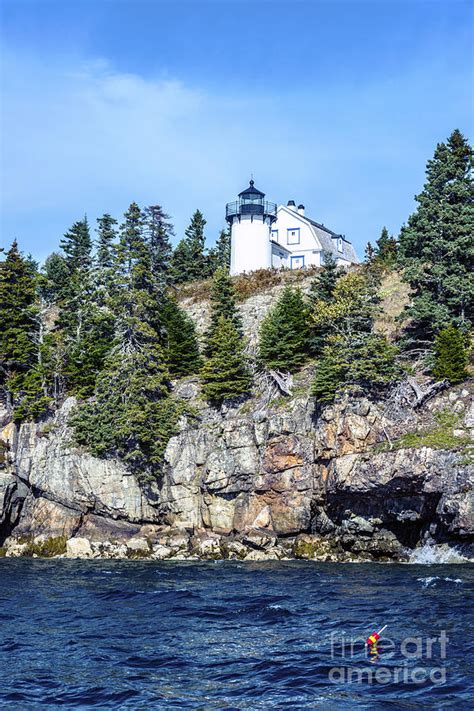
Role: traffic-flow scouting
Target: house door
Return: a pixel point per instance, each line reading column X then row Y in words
column 297, row 262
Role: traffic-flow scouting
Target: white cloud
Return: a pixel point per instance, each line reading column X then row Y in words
column 83, row 137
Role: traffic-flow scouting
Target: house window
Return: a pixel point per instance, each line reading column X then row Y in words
column 275, row 235
column 297, row 262
column 293, row 235
column 339, row 244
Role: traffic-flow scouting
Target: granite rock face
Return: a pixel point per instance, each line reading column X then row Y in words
column 269, row 478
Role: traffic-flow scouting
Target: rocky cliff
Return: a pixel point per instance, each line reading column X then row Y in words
column 277, row 478
column 271, row 477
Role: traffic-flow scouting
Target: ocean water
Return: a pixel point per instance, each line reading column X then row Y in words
column 231, row 635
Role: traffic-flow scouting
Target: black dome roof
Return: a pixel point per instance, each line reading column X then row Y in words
column 251, row 190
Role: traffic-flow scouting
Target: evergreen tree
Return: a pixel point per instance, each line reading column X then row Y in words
column 84, row 330
column 322, row 289
column 386, row 249
column 54, row 280
column 366, row 360
column 182, row 349
column 222, row 304
column 225, row 374
column 189, row 261
column 219, row 256
column 21, row 378
column 132, row 414
column 77, row 246
column 451, row 355
column 158, row 230
column 105, row 256
column 284, row 333
column 436, row 247
column 323, row 285
column 369, row 253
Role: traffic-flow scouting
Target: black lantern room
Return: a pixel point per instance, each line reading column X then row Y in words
column 251, row 202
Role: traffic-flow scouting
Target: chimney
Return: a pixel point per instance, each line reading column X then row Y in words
column 291, row 205
column 301, row 209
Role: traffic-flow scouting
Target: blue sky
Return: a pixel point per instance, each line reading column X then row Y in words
column 336, row 104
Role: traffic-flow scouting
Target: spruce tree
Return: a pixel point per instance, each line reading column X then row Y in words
column 451, row 355
column 436, row 248
column 77, row 246
column 54, row 279
column 105, row 256
column 386, row 249
column 225, row 374
column 182, row 349
column 21, row 378
column 189, row 262
column 284, row 333
column 84, row 330
column 222, row 304
column 158, row 231
column 131, row 414
column 219, row 256
column 322, row 289
column 366, row 360
column 322, row 286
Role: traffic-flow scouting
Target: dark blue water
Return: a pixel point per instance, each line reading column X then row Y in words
column 229, row 635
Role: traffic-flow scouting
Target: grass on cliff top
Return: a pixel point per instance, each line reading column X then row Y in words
column 247, row 285
column 441, row 435
column 394, row 296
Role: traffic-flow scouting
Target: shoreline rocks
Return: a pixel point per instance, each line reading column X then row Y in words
column 258, row 481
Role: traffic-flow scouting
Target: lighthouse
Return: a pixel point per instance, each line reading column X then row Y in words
column 250, row 219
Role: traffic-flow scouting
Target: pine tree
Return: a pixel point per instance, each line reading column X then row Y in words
column 369, row 253
column 54, row 279
column 222, row 304
column 84, row 330
column 386, row 249
column 284, row 333
column 436, row 247
column 105, row 256
column 225, row 374
column 158, row 231
column 323, row 285
column 451, row 355
column 182, row 349
column 219, row 256
column 366, row 360
column 132, row 414
column 77, row 246
column 21, row 378
column 189, row 262
column 322, row 289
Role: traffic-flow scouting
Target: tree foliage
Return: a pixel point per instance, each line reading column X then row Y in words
column 436, row 248
column 21, row 374
column 223, row 303
column 284, row 333
column 366, row 360
column 451, row 355
column 182, row 348
column 189, row 261
column 225, row 373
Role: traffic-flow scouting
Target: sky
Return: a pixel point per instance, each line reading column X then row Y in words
column 336, row 104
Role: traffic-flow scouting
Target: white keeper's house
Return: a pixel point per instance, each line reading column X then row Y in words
column 266, row 235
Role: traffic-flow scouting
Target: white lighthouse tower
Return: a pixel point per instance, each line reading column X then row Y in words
column 250, row 218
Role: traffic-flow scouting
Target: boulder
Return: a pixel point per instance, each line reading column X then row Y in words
column 78, row 548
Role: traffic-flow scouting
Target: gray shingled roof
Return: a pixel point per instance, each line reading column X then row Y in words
column 328, row 240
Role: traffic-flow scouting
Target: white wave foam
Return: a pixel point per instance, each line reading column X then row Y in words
column 439, row 554
column 432, row 580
